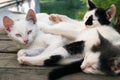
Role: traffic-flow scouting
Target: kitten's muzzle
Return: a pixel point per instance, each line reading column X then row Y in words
column 26, row 41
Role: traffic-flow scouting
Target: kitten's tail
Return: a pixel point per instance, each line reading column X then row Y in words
column 65, row 70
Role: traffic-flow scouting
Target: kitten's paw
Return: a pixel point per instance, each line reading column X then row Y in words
column 55, row 18
column 45, row 30
column 21, row 53
column 22, row 61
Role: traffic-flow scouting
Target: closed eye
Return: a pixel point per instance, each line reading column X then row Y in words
column 18, row 35
column 29, row 32
column 93, row 67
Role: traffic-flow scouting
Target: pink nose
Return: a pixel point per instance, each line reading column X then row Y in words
column 26, row 41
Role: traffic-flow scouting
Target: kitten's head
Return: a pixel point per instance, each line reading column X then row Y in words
column 104, row 58
column 98, row 16
column 22, row 31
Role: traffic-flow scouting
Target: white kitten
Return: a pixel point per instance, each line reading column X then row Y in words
column 27, row 34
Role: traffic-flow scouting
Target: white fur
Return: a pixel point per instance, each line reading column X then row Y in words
column 95, row 19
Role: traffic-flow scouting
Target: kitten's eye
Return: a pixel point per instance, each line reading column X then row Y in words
column 93, row 67
column 18, row 35
column 29, row 32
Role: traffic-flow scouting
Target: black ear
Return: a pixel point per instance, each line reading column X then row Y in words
column 103, row 41
column 91, row 5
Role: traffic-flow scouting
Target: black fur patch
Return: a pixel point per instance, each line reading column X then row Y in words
column 75, row 47
column 107, row 61
column 103, row 44
column 91, row 5
column 89, row 21
column 102, row 16
column 65, row 70
column 107, row 53
column 53, row 60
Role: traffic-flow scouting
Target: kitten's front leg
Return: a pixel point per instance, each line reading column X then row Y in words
column 61, row 18
column 50, row 30
column 26, row 60
column 45, row 58
column 21, row 53
column 55, row 18
column 30, row 52
column 70, row 34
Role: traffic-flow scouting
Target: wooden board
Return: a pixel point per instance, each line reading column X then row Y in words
column 7, row 46
column 11, row 70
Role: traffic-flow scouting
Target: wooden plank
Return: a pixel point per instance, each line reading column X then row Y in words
column 11, row 70
column 7, row 46
column 21, row 74
column 4, row 37
column 83, row 76
column 2, row 32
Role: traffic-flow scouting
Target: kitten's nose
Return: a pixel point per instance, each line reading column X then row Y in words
column 26, row 41
column 82, row 67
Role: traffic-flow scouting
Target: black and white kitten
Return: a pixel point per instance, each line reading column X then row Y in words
column 107, row 61
column 94, row 17
column 98, row 16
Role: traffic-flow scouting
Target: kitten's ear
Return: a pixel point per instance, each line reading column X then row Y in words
column 102, row 40
column 8, row 23
column 111, row 12
column 91, row 5
column 31, row 16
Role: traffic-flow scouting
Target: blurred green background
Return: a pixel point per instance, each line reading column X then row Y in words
column 75, row 8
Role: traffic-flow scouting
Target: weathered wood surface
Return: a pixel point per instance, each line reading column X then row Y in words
column 6, row 45
column 11, row 70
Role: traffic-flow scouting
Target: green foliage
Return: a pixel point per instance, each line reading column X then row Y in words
column 75, row 8
column 73, row 4
column 67, row 7
column 80, row 14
